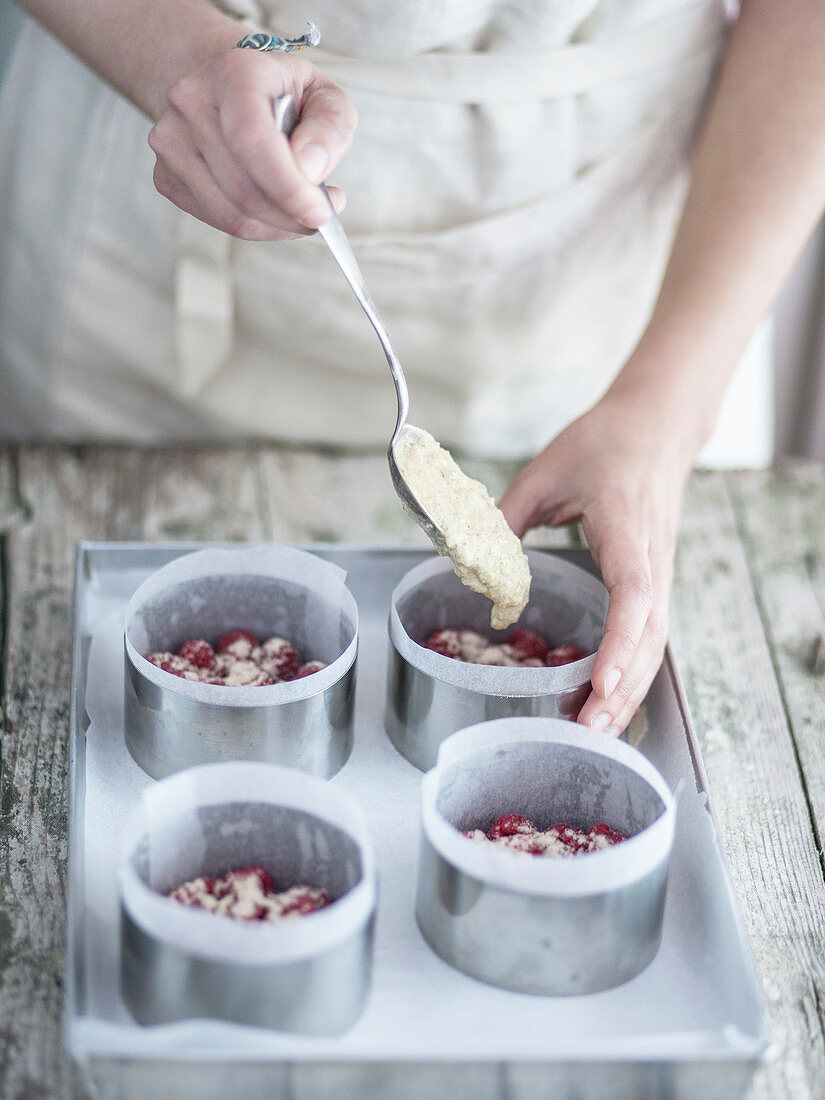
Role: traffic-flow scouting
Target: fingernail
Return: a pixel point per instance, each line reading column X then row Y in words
column 600, row 722
column 611, row 682
column 613, row 731
column 313, row 161
column 317, row 216
column 339, row 203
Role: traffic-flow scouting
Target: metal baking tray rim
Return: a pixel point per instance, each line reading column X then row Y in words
column 753, row 1049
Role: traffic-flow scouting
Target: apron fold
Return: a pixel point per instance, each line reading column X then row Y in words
column 513, row 190
column 476, row 78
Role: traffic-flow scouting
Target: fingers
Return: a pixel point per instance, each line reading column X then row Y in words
column 221, row 157
column 626, row 570
column 320, row 139
column 635, row 635
column 184, row 177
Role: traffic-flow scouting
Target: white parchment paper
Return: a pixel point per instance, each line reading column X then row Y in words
column 566, row 605
column 694, row 999
column 175, row 834
column 472, row 762
column 272, row 590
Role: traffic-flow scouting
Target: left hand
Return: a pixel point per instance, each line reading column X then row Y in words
column 618, row 471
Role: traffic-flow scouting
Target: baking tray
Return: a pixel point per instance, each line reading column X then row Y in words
column 691, row 1024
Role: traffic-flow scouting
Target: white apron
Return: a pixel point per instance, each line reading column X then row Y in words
column 513, row 189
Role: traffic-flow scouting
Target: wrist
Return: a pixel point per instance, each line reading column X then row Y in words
column 195, row 45
column 669, row 399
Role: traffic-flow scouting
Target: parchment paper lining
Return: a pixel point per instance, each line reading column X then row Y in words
column 697, row 1000
column 272, row 590
column 567, row 604
column 219, row 812
column 546, row 768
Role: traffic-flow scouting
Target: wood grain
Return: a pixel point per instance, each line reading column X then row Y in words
column 749, row 599
column 781, row 519
column 739, row 714
column 99, row 494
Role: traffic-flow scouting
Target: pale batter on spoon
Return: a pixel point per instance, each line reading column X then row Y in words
column 486, row 554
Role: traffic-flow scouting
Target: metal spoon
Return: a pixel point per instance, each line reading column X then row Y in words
column 286, row 118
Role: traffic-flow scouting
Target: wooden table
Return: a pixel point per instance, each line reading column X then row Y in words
column 748, row 626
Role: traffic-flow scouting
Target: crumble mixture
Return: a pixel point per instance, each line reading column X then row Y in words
column 248, row 893
column 486, row 554
column 237, row 660
column 523, row 649
column 519, row 834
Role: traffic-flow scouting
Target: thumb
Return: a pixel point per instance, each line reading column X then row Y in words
column 326, row 129
column 518, row 505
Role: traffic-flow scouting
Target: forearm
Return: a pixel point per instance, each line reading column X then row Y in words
column 143, row 48
column 757, row 191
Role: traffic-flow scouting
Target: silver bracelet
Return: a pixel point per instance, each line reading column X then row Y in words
column 267, row 42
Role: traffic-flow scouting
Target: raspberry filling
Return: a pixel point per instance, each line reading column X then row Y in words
column 523, row 648
column 237, row 660
column 519, row 834
column 248, row 893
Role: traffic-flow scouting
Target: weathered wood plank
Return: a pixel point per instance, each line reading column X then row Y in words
column 251, row 494
column 738, row 712
column 202, row 495
column 315, row 497
column 100, row 494
column 782, row 525
column 38, row 581
column 333, row 498
column 14, row 510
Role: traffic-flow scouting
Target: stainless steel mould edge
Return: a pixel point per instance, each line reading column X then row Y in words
column 171, row 723
column 429, row 697
column 166, row 732
column 422, row 711
column 309, row 975
column 548, row 927
column 321, row 995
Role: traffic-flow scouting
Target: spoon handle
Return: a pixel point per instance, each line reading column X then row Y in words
column 333, row 233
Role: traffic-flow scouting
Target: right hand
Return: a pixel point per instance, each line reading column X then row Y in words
column 221, row 157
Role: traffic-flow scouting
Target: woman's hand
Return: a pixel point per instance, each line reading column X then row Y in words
column 616, row 471
column 221, row 157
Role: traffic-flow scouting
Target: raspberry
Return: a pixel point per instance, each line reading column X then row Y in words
column 509, row 825
column 161, row 660
column 198, row 652
column 564, row 654
column 527, row 644
column 240, row 642
column 266, row 881
column 308, row 669
column 303, row 901
column 445, row 642
column 171, row 662
column 280, row 659
column 601, row 829
column 192, row 893
column 572, row 840
column 534, row 848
